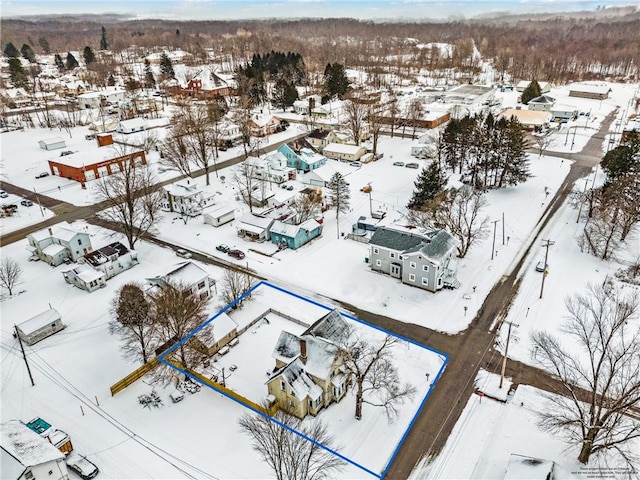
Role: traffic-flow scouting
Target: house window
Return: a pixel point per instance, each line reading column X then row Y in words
column 375, row 250
column 412, row 264
column 292, row 403
column 378, row 263
column 425, row 281
column 425, row 268
column 201, row 284
column 79, row 241
column 28, row 475
column 392, row 255
column 283, row 387
column 412, row 277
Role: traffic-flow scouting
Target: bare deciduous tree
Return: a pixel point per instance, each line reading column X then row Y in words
column 177, row 311
column 133, row 323
column 245, row 177
column 543, row 140
column 600, row 384
column 356, row 115
column 10, row 273
column 305, row 207
column 376, row 378
column 133, row 200
column 459, row 212
column 282, row 445
column 234, row 285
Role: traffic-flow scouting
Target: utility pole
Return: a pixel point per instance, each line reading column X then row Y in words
column 493, row 245
column 24, row 355
column 502, row 228
column 546, row 245
column 506, row 351
column 38, row 200
column 586, row 184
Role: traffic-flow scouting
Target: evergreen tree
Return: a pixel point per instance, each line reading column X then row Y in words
column 336, row 82
column 27, row 52
column 284, row 93
column 111, row 81
column 166, row 67
column 532, row 91
column 59, row 62
column 340, row 196
column 149, row 79
column 104, row 44
column 11, row 51
column 17, row 74
column 429, row 183
column 513, row 166
column 623, row 159
column 71, row 62
column 44, row 44
column 88, row 55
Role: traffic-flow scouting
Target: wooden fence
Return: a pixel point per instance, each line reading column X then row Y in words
column 133, row 376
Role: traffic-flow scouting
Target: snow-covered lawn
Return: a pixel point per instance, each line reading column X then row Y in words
column 368, row 443
column 489, row 431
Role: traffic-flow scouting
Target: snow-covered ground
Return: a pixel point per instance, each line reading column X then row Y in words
column 76, row 367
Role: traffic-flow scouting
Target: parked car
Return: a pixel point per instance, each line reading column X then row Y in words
column 223, row 248
column 81, row 466
column 412, row 165
column 26, row 203
column 3, row 194
column 66, row 152
column 42, row 175
column 238, row 254
column 399, row 164
column 34, row 258
column 355, row 164
column 183, row 253
column 541, row 266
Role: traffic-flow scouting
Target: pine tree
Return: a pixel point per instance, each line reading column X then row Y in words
column 532, row 91
column 336, row 82
column 11, row 51
column 27, row 52
column 284, row 93
column 514, row 163
column 150, row 81
column 104, row 44
column 71, row 61
column 17, row 74
column 429, row 183
column 44, row 44
column 166, row 67
column 340, row 196
column 88, row 55
column 59, row 62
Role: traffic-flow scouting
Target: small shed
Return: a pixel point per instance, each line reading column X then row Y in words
column 52, row 143
column 40, row 327
column 219, row 215
column 131, row 126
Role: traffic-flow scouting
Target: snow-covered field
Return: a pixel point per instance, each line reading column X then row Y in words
column 199, row 436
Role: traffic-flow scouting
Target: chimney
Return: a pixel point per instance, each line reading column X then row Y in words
column 303, row 350
column 50, row 231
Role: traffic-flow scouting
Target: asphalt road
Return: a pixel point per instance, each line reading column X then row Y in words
column 468, row 351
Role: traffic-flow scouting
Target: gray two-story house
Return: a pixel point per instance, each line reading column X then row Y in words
column 423, row 260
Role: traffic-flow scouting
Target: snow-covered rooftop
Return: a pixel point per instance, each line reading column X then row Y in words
column 35, row 323
column 25, row 445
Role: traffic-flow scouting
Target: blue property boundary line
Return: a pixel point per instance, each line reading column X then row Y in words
column 162, row 356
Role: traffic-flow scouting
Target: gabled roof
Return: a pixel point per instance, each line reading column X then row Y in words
column 319, row 134
column 26, row 446
column 301, row 384
column 396, row 239
column 35, row 323
column 543, row 99
column 257, row 221
column 439, row 246
column 332, row 327
column 289, row 230
column 186, row 273
column 62, row 231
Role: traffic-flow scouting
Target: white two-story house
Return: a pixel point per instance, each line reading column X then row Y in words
column 424, row 260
